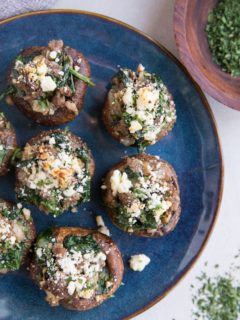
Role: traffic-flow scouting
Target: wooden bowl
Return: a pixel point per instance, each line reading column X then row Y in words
column 190, row 19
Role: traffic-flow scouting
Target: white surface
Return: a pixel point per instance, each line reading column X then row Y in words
column 155, row 18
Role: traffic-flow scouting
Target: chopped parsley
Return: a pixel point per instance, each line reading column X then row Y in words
column 223, row 29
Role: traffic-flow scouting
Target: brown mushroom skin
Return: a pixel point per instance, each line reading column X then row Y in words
column 35, row 140
column 61, row 115
column 109, row 200
column 114, row 263
column 7, row 138
column 28, row 242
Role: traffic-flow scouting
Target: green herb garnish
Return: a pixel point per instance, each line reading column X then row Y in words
column 81, row 76
column 223, row 33
column 217, row 297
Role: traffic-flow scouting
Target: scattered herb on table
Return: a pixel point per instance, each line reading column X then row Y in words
column 218, row 297
column 223, row 33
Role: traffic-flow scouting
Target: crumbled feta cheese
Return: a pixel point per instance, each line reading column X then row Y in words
column 42, row 69
column 150, row 136
column 19, row 206
column 47, row 84
column 120, row 182
column 52, row 141
column 53, row 55
column 69, row 192
column 148, row 98
column 101, row 226
column 77, row 68
column 134, row 126
column 139, row 262
column 128, row 97
column 71, row 288
column 39, row 252
column 27, row 213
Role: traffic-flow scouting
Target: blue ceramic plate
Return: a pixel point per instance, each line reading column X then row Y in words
column 192, row 148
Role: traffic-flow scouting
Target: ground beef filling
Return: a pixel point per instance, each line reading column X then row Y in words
column 54, row 173
column 78, row 266
column 46, row 79
column 143, row 103
column 14, row 236
column 144, row 197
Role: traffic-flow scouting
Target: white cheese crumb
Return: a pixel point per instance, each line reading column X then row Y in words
column 147, row 98
column 42, row 69
column 150, row 136
column 53, row 55
column 39, row 252
column 128, row 97
column 52, row 141
column 120, row 182
column 71, row 288
column 47, row 84
column 19, row 206
column 134, row 126
column 77, row 68
column 101, row 226
column 27, row 213
column 139, row 262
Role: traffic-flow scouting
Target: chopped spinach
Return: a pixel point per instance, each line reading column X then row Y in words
column 81, row 243
column 145, row 221
column 132, row 175
column 53, row 205
column 86, row 192
column 26, row 58
column 11, row 257
column 104, row 276
column 11, row 214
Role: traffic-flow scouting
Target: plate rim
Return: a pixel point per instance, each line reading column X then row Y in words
column 206, row 106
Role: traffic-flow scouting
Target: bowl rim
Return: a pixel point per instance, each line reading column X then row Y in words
column 179, row 14
column 206, row 105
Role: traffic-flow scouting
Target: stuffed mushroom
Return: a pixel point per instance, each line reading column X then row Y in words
column 139, row 109
column 8, row 144
column 48, row 84
column 77, row 268
column 142, row 196
column 55, row 171
column 17, row 233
